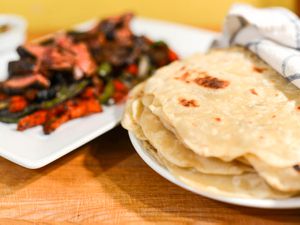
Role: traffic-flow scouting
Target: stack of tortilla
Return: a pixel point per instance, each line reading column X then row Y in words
column 221, row 122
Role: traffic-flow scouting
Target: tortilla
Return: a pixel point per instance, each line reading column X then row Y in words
column 283, row 179
column 227, row 104
column 248, row 185
column 170, row 148
column 223, row 123
column 132, row 112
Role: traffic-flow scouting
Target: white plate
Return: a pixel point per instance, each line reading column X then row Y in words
column 289, row 203
column 16, row 33
column 10, row 40
column 33, row 149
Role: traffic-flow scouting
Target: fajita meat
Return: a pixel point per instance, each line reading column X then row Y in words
column 26, row 81
column 72, row 74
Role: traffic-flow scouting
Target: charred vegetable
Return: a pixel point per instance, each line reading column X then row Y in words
column 63, row 94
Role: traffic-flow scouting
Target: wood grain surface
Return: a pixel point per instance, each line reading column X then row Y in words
column 106, row 182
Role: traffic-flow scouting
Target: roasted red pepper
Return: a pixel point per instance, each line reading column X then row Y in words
column 69, row 110
column 172, row 55
column 132, row 69
column 121, row 91
column 32, row 120
column 17, row 104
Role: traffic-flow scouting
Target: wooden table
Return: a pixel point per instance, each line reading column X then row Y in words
column 106, row 182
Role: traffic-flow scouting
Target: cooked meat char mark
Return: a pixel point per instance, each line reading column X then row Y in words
column 24, row 53
column 21, row 67
column 48, row 41
column 86, row 37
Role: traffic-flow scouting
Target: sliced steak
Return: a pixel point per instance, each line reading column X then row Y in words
column 83, row 59
column 24, row 53
column 19, row 83
column 32, row 50
column 21, row 67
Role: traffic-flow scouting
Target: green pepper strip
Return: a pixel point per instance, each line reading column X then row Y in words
column 63, row 94
column 107, row 93
column 104, row 69
column 9, row 120
column 158, row 44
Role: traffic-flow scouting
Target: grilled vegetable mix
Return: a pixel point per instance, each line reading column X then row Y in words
column 73, row 74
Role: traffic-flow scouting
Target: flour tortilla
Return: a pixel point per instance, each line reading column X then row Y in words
column 248, row 185
column 283, row 179
column 153, row 152
column 167, row 145
column 257, row 113
column 132, row 112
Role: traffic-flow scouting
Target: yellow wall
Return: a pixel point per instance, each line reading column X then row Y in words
column 45, row 15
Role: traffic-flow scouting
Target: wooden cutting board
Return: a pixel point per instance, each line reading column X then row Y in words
column 105, row 181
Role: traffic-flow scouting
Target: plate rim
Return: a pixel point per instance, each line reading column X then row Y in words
column 290, row 203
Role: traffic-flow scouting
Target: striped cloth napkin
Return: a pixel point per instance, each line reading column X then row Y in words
column 273, row 34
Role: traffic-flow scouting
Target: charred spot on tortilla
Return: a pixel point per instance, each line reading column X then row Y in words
column 182, row 68
column 253, row 91
column 218, row 119
column 259, row 69
column 188, row 103
column 211, row 82
column 297, row 168
column 183, row 77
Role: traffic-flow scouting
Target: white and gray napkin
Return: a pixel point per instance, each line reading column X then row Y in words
column 273, row 34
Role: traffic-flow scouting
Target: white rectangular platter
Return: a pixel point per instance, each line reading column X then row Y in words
column 33, row 149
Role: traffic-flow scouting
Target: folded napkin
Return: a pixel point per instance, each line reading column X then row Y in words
column 273, row 34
